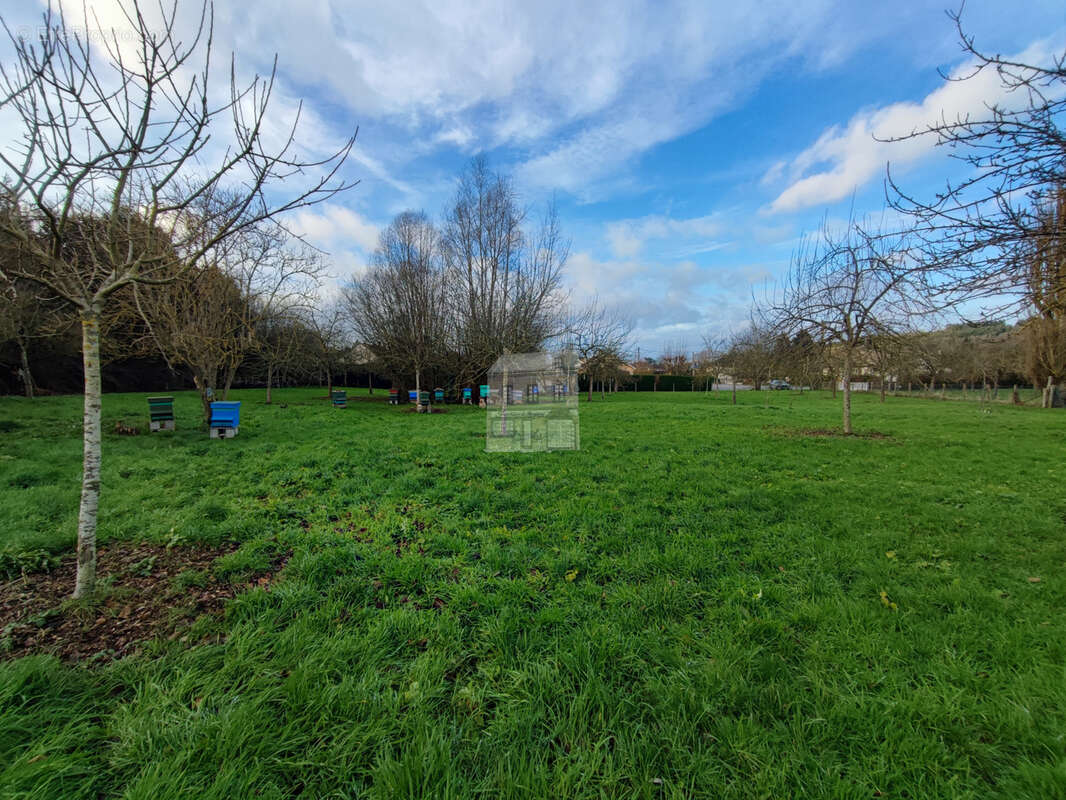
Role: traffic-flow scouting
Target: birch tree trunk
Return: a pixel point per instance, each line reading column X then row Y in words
column 27, row 376
column 847, row 393
column 85, row 583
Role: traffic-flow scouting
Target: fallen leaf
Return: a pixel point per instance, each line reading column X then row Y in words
column 1034, row 580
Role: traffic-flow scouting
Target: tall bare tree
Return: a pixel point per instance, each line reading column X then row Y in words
column 399, row 308
column 116, row 129
column 504, row 284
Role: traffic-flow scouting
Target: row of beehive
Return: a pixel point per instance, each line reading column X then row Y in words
column 225, row 416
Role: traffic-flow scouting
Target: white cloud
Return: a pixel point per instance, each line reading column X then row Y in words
column 331, row 225
column 628, row 237
column 460, row 135
column 583, row 88
column 845, row 158
column 669, row 301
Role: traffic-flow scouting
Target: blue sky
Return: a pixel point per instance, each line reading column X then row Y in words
column 688, row 144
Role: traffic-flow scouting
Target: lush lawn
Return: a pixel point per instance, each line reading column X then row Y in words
column 700, row 603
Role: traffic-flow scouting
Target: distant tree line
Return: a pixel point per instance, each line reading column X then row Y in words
column 436, row 306
column 982, row 356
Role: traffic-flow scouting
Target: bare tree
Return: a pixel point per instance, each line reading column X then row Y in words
column 752, row 356
column 29, row 313
column 327, row 323
column 277, row 340
column 196, row 322
column 116, row 130
column 804, row 360
column 599, row 337
column 985, row 232
column 274, row 274
column 399, row 308
column 709, row 362
column 1044, row 332
column 883, row 350
column 504, row 284
column 844, row 289
column 674, row 359
column 209, row 318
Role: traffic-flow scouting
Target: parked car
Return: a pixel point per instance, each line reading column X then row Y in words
column 779, row 384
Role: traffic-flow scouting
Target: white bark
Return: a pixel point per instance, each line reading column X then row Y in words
column 85, row 582
column 27, row 376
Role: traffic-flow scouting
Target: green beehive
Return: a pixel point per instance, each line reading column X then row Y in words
column 161, row 413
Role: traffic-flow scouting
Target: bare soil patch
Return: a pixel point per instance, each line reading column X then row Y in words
column 143, row 599
column 828, row 432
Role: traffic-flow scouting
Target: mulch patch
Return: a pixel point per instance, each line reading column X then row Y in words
column 143, row 602
column 841, row 434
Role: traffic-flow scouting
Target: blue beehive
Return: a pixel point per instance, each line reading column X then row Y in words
column 225, row 419
column 466, row 394
column 412, row 395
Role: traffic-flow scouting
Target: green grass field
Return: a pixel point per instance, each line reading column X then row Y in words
column 703, row 602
